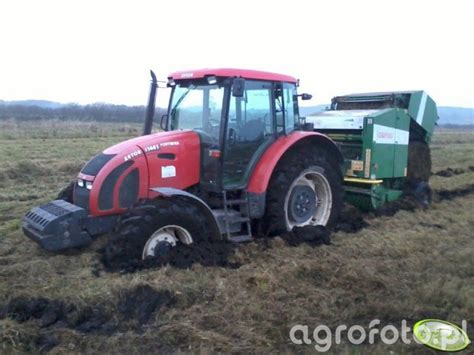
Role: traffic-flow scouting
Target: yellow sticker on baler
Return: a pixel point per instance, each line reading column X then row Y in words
column 357, row 165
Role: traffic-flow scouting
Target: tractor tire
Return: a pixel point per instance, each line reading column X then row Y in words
column 66, row 192
column 289, row 186
column 162, row 222
column 419, row 161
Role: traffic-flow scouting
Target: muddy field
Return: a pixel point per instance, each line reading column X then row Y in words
column 403, row 264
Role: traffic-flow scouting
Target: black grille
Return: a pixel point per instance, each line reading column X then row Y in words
column 40, row 217
column 128, row 193
column 54, row 209
column 32, row 216
column 94, row 165
column 107, row 189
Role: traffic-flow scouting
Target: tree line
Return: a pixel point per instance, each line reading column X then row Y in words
column 92, row 112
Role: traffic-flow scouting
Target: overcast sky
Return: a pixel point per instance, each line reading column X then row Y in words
column 100, row 51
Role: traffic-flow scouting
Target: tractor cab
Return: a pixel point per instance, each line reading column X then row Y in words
column 238, row 114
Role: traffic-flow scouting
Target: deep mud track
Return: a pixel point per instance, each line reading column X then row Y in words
column 134, row 309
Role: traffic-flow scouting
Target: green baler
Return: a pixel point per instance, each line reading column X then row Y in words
column 384, row 138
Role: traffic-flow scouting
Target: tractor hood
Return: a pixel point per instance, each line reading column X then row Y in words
column 162, row 139
column 124, row 173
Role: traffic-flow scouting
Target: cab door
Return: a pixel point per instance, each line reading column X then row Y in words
column 250, row 130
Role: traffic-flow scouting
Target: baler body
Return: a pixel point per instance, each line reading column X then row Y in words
column 374, row 132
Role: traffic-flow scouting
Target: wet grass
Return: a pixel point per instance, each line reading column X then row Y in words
column 412, row 265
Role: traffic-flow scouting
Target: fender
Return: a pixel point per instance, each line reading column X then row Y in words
column 262, row 173
column 213, row 225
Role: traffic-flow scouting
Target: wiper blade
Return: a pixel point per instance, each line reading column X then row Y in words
column 181, row 98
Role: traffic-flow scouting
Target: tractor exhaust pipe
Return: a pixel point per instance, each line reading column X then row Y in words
column 150, row 109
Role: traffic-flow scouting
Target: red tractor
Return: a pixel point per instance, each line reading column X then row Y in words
column 234, row 156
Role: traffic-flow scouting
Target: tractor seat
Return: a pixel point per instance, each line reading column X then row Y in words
column 252, row 131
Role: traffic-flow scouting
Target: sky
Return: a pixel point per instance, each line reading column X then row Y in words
column 101, row 51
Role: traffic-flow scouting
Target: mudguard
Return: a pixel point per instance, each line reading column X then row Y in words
column 196, row 201
column 262, row 173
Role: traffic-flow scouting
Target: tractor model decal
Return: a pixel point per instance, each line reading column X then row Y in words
column 167, row 144
column 151, row 148
column 132, row 155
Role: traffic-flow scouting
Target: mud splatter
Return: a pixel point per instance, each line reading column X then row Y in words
column 141, row 302
column 312, row 235
column 351, row 220
column 451, row 172
column 452, row 194
column 406, row 203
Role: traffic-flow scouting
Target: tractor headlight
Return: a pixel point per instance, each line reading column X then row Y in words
column 89, row 185
column 80, row 182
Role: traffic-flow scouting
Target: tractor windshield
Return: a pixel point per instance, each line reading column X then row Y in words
column 197, row 107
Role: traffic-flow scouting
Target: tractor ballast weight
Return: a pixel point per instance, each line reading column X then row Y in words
column 378, row 134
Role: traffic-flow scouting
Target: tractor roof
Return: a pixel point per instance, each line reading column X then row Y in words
column 231, row 72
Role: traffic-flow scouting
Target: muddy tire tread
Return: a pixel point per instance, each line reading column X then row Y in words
column 288, row 168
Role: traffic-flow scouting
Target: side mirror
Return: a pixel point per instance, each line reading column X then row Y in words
column 164, row 122
column 306, row 96
column 238, row 87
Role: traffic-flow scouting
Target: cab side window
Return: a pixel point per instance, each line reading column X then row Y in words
column 291, row 107
column 286, row 108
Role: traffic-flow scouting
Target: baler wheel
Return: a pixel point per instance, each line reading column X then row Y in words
column 153, row 227
column 303, row 175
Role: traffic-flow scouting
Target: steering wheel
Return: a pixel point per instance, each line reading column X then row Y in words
column 232, row 136
column 214, row 122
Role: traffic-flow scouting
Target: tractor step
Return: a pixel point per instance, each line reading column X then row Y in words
column 235, row 221
column 232, row 219
column 236, row 202
column 241, row 238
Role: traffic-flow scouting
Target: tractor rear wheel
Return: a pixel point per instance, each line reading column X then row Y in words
column 152, row 228
column 305, row 189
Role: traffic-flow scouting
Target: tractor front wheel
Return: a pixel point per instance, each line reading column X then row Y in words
column 152, row 228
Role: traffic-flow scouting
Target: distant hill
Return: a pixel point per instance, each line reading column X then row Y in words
column 37, row 103
column 43, row 109
column 447, row 115
column 455, row 115
column 311, row 110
